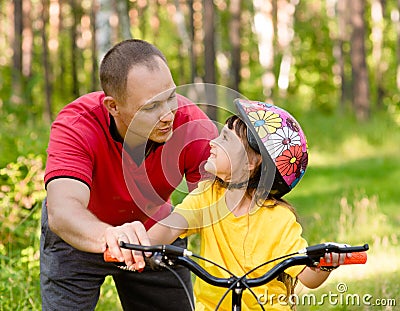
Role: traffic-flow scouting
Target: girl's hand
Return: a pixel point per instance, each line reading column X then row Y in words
column 337, row 259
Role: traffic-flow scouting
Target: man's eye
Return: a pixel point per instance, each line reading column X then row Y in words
column 150, row 107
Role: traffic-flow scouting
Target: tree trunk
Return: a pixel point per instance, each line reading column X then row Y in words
column 359, row 66
column 27, row 40
column 264, row 28
column 142, row 7
column 48, row 115
column 380, row 64
column 398, row 46
column 196, row 36
column 123, row 18
column 95, row 68
column 103, row 28
column 74, row 49
column 209, row 56
column 17, row 53
column 234, row 37
column 61, row 51
column 209, row 44
column 285, row 12
column 344, row 34
column 185, row 44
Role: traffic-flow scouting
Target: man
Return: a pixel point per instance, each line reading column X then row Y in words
column 115, row 157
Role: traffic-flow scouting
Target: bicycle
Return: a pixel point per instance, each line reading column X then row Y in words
column 167, row 256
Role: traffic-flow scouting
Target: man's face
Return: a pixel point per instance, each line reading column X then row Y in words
column 149, row 110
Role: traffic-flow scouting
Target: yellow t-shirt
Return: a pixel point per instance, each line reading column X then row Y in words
column 240, row 244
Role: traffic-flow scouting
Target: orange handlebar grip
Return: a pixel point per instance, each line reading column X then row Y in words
column 356, row 258
column 121, row 264
column 108, row 258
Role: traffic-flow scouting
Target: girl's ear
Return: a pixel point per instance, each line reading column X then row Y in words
column 254, row 161
column 111, row 105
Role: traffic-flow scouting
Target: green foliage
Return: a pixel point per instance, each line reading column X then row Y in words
column 19, row 276
column 21, row 194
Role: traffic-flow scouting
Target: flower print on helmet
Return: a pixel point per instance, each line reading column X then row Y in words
column 278, row 137
column 265, row 122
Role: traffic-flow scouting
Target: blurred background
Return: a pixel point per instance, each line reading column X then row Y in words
column 334, row 64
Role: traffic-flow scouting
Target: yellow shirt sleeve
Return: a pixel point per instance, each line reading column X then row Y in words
column 201, row 207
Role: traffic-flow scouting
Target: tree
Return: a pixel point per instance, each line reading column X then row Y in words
column 185, row 43
column 380, row 64
column 95, row 61
column 359, row 66
column 264, row 28
column 234, row 38
column 17, row 53
column 46, row 62
column 398, row 45
column 76, row 13
column 121, row 6
column 209, row 57
column 285, row 15
column 103, row 28
column 343, row 18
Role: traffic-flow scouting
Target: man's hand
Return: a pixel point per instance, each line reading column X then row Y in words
column 134, row 233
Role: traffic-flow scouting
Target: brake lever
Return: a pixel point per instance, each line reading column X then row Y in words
column 321, row 249
column 155, row 261
column 316, row 253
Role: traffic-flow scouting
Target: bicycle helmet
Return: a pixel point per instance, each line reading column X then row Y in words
column 278, row 137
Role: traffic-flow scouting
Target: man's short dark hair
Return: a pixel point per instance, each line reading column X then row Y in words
column 117, row 62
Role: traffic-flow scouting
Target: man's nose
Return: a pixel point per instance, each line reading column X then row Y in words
column 167, row 114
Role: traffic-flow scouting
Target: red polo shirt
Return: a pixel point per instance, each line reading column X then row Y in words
column 81, row 147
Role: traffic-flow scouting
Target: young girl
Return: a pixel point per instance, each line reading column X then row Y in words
column 259, row 156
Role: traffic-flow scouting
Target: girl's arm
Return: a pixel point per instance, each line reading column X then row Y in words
column 167, row 230
column 313, row 278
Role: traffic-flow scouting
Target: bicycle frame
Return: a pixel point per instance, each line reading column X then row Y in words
column 238, row 284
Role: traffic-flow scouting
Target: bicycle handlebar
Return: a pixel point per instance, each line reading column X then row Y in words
column 311, row 256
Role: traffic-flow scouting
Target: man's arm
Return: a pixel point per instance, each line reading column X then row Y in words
column 69, row 218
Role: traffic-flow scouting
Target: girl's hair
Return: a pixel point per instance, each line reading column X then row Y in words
column 120, row 59
column 261, row 193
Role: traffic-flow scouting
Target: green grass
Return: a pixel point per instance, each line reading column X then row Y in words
column 350, row 194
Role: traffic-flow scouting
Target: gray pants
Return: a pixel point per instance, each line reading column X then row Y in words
column 71, row 279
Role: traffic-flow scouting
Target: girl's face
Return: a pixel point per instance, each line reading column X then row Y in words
column 228, row 158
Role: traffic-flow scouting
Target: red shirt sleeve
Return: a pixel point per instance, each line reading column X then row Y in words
column 69, row 153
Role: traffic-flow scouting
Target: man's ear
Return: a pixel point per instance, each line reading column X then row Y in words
column 112, row 106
